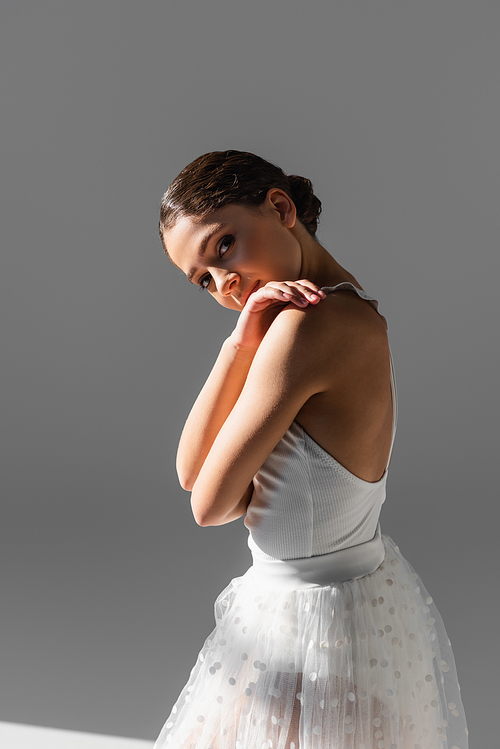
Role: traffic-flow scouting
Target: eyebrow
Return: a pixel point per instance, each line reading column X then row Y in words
column 203, row 247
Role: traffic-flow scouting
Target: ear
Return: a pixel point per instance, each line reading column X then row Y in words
column 281, row 204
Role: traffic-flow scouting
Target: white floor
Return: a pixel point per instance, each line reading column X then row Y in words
column 16, row 736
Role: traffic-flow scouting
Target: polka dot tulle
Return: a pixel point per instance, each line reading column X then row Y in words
column 364, row 664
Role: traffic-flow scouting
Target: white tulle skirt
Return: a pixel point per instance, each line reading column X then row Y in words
column 362, row 664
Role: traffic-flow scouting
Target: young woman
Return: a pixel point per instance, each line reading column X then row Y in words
column 329, row 640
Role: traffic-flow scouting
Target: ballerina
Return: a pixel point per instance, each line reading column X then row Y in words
column 329, row 640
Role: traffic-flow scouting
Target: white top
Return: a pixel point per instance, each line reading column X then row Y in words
column 304, row 502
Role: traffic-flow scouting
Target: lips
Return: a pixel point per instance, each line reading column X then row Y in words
column 251, row 292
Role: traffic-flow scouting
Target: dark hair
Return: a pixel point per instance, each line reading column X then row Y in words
column 222, row 178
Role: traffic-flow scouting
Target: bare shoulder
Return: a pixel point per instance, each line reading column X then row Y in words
column 342, row 328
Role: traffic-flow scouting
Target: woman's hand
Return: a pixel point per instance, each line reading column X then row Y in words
column 263, row 306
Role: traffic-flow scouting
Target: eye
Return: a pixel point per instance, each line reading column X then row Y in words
column 223, row 247
column 204, row 282
column 225, row 244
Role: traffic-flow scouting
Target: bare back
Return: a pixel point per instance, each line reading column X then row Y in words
column 352, row 420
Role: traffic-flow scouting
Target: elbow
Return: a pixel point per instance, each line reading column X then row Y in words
column 198, row 519
column 186, row 483
column 199, row 514
column 186, row 480
column 201, row 519
column 210, row 518
column 203, row 514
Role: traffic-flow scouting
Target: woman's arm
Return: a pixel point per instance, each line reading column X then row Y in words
column 241, row 508
column 295, row 361
column 211, row 409
column 227, row 378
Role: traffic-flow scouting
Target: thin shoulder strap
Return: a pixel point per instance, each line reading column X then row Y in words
column 363, row 295
column 394, row 394
column 360, row 292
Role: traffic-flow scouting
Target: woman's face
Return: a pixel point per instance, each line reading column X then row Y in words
column 236, row 250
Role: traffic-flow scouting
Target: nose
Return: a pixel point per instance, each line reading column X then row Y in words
column 227, row 283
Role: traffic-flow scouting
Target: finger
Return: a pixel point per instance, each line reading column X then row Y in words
column 291, row 292
column 311, row 292
column 311, row 287
column 305, row 287
column 302, row 292
column 275, row 292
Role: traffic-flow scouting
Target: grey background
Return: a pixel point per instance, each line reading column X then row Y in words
column 392, row 109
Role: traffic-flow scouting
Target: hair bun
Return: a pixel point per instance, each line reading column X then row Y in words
column 307, row 204
column 221, row 178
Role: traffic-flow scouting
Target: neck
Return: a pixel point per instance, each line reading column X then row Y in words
column 319, row 266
